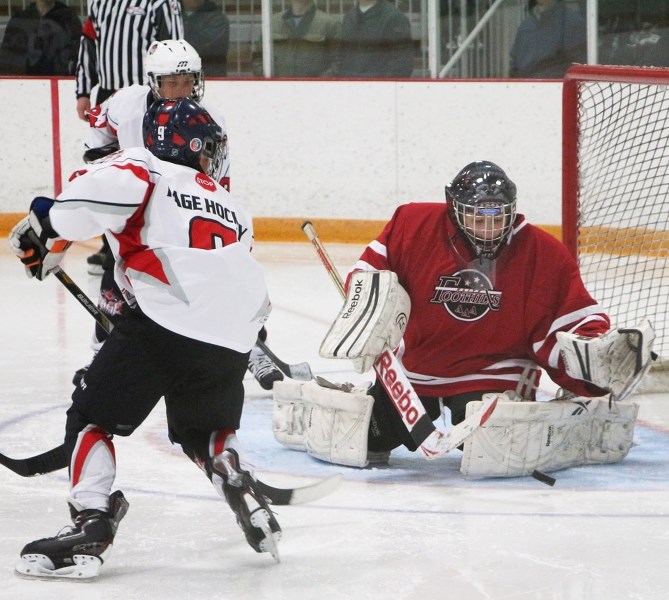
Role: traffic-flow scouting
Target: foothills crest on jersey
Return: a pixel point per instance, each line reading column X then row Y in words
column 467, row 294
column 198, row 242
column 476, row 324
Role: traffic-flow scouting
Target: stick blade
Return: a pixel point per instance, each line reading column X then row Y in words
column 300, row 371
column 468, row 426
column 300, row 495
column 439, row 443
column 51, row 460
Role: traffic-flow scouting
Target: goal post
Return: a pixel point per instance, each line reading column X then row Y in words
column 615, row 191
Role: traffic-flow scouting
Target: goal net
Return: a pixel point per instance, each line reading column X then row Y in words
column 615, row 213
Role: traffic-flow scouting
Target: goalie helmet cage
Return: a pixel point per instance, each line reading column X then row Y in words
column 615, row 193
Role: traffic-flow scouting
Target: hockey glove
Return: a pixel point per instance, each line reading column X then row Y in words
column 614, row 361
column 35, row 242
column 93, row 154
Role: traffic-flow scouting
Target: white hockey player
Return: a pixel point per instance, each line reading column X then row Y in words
column 476, row 300
column 197, row 299
column 174, row 70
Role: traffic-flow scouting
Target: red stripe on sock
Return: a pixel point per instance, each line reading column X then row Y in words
column 86, row 444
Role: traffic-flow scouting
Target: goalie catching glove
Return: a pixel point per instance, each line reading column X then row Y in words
column 35, row 242
column 373, row 318
column 614, row 361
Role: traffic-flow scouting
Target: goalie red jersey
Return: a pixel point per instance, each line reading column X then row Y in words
column 477, row 323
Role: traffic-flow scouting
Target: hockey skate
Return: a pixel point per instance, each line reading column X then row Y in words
column 263, row 369
column 79, row 375
column 250, row 506
column 94, row 262
column 100, row 260
column 77, row 552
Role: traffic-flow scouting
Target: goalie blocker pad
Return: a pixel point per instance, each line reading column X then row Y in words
column 331, row 425
column 521, row 437
column 373, row 317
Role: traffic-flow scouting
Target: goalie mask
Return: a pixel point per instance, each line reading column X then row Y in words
column 484, row 201
column 181, row 132
column 173, row 57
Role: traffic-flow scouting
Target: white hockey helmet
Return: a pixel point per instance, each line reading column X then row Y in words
column 173, row 57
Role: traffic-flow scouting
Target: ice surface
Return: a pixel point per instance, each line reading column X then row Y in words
column 414, row 530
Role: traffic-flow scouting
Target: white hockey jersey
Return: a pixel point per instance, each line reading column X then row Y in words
column 182, row 244
column 120, row 117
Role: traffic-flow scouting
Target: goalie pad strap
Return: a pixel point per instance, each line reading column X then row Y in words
column 521, row 437
column 331, row 425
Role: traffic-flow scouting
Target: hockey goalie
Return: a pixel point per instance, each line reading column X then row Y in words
column 474, row 300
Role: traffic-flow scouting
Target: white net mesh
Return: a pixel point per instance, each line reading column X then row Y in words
column 623, row 201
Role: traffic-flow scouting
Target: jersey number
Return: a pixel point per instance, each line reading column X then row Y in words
column 208, row 234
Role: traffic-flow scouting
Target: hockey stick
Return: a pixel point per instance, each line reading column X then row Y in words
column 431, row 441
column 51, row 460
column 300, row 495
column 57, row 458
column 300, row 371
column 83, row 299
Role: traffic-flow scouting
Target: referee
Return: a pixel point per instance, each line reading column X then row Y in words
column 114, row 41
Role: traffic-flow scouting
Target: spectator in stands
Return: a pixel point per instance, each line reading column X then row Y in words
column 633, row 34
column 207, row 29
column 552, row 37
column 648, row 47
column 304, row 41
column 43, row 39
column 375, row 42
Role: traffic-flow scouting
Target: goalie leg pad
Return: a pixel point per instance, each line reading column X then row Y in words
column 611, row 361
column 373, row 317
column 521, row 437
column 288, row 420
column 330, row 425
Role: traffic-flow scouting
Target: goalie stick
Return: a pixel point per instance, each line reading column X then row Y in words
column 57, row 458
column 431, row 441
column 300, row 371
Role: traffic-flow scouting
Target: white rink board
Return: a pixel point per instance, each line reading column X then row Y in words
column 336, row 149
column 26, row 161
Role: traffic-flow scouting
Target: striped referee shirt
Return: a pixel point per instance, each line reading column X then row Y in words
column 116, row 37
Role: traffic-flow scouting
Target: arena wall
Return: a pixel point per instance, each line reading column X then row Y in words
column 344, row 154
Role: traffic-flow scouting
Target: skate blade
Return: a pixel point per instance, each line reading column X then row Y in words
column 32, row 566
column 260, row 519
